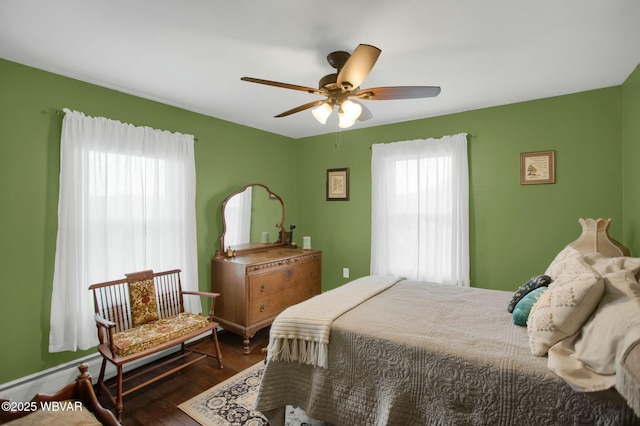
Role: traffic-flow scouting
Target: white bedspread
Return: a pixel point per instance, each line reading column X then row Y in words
column 301, row 332
column 429, row 354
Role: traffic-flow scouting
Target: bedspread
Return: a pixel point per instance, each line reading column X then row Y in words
column 301, row 332
column 429, row 354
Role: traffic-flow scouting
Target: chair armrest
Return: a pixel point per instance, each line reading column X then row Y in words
column 212, row 296
column 103, row 322
column 202, row 293
column 110, row 326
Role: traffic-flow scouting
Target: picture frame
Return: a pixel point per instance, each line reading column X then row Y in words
column 338, row 184
column 537, row 167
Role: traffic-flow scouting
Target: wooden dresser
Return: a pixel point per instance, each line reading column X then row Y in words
column 256, row 287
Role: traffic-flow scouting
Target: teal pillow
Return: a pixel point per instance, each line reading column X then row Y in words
column 523, row 307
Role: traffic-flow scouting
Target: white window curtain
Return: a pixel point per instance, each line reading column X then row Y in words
column 126, row 204
column 420, row 210
column 237, row 216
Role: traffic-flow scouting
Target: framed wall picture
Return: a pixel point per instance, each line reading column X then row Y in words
column 537, row 167
column 337, row 184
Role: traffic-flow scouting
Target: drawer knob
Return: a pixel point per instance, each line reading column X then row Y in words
column 261, row 308
column 262, row 288
column 287, row 275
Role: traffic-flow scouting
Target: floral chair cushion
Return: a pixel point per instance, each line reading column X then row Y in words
column 142, row 296
column 156, row 333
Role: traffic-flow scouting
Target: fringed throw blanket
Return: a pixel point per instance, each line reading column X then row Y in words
column 301, row 332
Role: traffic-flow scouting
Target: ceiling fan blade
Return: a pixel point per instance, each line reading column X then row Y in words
column 284, row 85
column 398, row 92
column 301, row 108
column 358, row 66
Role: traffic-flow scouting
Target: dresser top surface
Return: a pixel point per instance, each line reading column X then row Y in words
column 268, row 255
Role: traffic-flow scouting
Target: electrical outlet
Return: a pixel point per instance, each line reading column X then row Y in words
column 345, row 272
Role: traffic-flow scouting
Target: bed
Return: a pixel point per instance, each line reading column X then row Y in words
column 419, row 353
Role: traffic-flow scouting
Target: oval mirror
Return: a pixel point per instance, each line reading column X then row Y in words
column 252, row 220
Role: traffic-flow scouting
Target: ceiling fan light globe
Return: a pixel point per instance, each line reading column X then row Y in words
column 351, row 110
column 322, row 113
column 344, row 121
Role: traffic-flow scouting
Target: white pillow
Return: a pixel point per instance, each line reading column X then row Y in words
column 566, row 256
column 606, row 265
column 617, row 313
column 566, row 306
column 606, row 352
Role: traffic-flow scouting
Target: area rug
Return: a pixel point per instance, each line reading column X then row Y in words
column 231, row 403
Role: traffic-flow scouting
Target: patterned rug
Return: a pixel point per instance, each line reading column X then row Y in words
column 231, row 403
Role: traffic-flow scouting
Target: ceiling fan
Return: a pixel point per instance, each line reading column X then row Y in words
column 342, row 88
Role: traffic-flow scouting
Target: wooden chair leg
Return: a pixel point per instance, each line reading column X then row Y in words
column 119, row 403
column 100, row 383
column 214, row 335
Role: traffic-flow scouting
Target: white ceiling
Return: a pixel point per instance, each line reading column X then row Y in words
column 192, row 53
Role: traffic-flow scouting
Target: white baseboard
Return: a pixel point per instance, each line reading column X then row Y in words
column 53, row 379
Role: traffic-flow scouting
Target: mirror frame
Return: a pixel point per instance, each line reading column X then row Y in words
column 251, row 247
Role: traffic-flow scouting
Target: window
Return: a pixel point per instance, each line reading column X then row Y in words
column 420, row 210
column 126, row 203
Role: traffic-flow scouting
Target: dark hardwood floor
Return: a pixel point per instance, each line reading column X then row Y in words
column 157, row 404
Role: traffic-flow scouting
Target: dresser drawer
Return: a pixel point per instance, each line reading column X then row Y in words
column 256, row 287
column 269, row 283
column 308, row 271
column 265, row 308
column 305, row 290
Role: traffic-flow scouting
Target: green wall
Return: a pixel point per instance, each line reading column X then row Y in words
column 515, row 230
column 29, row 167
column 630, row 163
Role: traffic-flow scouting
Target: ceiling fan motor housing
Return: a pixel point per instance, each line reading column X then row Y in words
column 328, row 82
column 338, row 59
